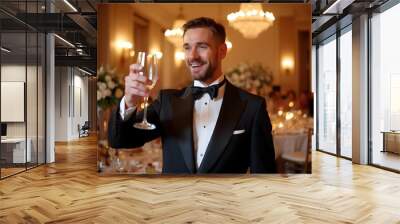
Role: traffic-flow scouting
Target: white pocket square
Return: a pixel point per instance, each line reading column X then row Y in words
column 236, row 132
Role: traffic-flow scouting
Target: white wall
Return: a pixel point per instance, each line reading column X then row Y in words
column 80, row 97
column 17, row 73
column 61, row 103
column 71, row 93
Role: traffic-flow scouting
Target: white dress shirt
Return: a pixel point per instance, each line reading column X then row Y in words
column 125, row 113
column 205, row 116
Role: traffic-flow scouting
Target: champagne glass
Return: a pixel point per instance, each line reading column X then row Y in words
column 152, row 76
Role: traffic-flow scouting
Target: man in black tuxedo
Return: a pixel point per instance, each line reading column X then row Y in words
column 208, row 127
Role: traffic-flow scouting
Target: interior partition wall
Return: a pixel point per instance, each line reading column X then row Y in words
column 22, row 78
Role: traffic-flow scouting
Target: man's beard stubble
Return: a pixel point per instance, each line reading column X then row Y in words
column 207, row 74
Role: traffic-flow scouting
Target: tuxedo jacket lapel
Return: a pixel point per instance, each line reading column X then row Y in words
column 230, row 112
column 183, row 129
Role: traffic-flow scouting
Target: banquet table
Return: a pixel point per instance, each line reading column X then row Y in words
column 287, row 142
column 148, row 159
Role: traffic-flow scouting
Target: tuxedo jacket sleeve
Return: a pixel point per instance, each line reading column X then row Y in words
column 122, row 134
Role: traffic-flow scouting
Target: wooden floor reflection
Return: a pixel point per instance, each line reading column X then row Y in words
column 386, row 159
column 71, row 191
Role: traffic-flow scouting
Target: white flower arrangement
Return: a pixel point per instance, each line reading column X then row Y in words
column 252, row 77
column 109, row 88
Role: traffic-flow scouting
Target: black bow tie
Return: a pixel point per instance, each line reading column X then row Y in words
column 198, row 92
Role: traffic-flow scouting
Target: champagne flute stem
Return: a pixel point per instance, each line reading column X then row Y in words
column 145, row 109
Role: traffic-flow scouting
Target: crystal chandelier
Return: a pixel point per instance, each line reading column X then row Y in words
column 251, row 20
column 175, row 34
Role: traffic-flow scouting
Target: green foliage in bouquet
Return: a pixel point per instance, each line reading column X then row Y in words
column 251, row 77
column 109, row 88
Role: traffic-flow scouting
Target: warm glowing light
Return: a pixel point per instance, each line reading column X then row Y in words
column 175, row 34
column 176, row 30
column 280, row 112
column 291, row 104
column 228, row 44
column 157, row 54
column 280, row 125
column 132, row 53
column 289, row 116
column 287, row 63
column 179, row 55
column 251, row 20
column 142, row 105
column 123, row 44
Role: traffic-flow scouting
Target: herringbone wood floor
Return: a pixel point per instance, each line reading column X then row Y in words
column 70, row 191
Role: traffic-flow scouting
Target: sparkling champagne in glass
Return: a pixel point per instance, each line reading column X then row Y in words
column 152, row 76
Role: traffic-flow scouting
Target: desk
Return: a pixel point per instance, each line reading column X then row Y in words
column 13, row 150
column 391, row 141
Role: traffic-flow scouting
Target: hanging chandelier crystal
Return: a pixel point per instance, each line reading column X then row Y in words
column 175, row 34
column 251, row 20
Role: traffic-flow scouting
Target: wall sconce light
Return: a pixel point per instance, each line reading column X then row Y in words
column 287, row 64
column 126, row 50
column 179, row 57
column 228, row 44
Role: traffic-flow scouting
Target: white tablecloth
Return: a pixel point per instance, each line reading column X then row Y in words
column 289, row 142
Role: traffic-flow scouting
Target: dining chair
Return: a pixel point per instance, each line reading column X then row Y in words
column 300, row 158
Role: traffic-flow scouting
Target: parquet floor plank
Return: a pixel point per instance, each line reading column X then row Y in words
column 71, row 191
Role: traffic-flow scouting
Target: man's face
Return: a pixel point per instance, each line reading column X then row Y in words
column 202, row 53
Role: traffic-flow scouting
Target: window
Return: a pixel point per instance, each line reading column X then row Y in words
column 327, row 96
column 346, row 93
column 385, row 88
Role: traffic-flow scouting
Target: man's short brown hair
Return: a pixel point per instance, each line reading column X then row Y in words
column 217, row 29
